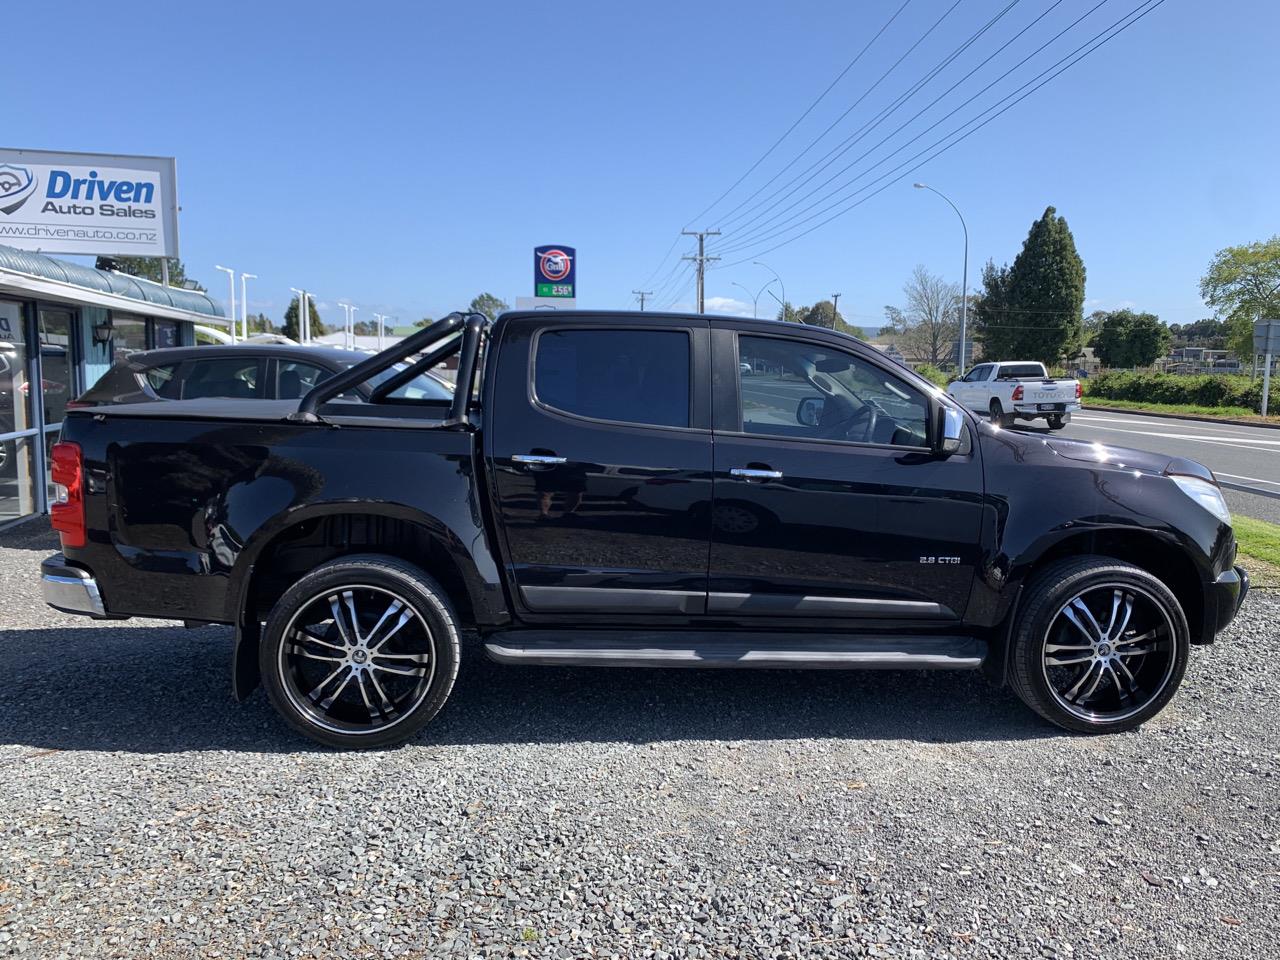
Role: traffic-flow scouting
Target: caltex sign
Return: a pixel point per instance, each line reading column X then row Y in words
column 88, row 203
column 555, row 269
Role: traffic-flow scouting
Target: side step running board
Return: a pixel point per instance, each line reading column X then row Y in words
column 604, row 648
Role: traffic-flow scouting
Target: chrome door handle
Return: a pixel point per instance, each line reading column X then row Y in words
column 750, row 473
column 537, row 459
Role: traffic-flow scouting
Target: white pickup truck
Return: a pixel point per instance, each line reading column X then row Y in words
column 1017, row 390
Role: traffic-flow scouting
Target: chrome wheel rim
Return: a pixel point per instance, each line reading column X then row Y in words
column 1109, row 652
column 357, row 659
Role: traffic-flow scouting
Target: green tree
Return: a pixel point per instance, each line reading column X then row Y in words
column 822, row 314
column 791, row 313
column 1241, row 283
column 1032, row 309
column 147, row 267
column 819, row 315
column 1209, row 333
column 929, row 325
column 292, row 326
column 1128, row 339
column 424, row 322
column 489, row 305
column 261, row 324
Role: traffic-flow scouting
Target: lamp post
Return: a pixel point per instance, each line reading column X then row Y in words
column 303, row 326
column 754, row 300
column 244, row 304
column 231, row 282
column 381, row 318
column 964, row 281
column 780, row 284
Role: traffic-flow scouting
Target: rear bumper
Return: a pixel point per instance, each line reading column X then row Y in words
column 1226, row 595
column 70, row 589
column 1032, row 410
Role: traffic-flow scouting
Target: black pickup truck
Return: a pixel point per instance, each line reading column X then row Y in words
column 639, row 490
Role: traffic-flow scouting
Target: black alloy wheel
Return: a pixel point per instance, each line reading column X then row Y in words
column 361, row 652
column 1100, row 645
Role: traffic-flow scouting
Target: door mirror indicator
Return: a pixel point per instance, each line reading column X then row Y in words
column 950, row 431
column 809, row 411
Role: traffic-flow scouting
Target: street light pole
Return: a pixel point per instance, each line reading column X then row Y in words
column 302, row 314
column 755, row 300
column 964, row 282
column 244, row 304
column 231, row 282
column 780, row 284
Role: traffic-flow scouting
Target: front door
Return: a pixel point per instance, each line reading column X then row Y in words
column 828, row 501
column 599, row 442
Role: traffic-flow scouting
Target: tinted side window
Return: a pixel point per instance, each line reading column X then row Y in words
column 224, row 377
column 632, row 376
column 816, row 393
column 162, row 382
column 294, row 378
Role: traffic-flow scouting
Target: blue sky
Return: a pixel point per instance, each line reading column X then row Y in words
column 406, row 156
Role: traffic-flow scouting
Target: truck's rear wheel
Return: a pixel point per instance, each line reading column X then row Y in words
column 1056, row 421
column 999, row 417
column 1100, row 645
column 361, row 652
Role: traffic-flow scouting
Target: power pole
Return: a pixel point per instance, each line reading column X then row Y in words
column 835, row 300
column 701, row 261
column 642, row 294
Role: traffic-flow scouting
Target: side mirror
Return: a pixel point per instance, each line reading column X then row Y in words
column 950, row 435
column 809, row 411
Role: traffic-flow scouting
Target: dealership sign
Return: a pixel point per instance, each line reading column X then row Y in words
column 88, row 203
column 555, row 268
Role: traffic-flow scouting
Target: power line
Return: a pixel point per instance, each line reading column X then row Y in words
column 849, row 66
column 642, row 295
column 752, row 233
column 848, row 142
column 840, row 76
column 729, row 217
column 1110, row 33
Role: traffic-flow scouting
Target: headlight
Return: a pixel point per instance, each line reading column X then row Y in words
column 1204, row 493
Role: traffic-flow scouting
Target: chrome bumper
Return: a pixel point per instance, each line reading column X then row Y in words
column 70, row 589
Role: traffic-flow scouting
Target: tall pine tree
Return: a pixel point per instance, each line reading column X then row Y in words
column 292, row 327
column 1033, row 310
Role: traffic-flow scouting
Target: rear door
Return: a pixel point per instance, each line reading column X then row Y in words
column 599, row 444
column 828, row 500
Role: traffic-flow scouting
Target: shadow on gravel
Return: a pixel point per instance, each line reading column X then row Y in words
column 163, row 689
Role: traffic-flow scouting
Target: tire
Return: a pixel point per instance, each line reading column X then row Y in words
column 395, row 607
column 999, row 417
column 1138, row 652
column 1056, row 422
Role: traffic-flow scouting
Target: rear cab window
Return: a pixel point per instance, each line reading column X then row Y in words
column 1021, row 371
column 622, row 376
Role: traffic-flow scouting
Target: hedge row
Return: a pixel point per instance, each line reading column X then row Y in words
column 1205, row 390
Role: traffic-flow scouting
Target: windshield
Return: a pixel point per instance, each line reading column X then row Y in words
column 425, row 386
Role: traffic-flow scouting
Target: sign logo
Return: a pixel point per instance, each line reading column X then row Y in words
column 555, row 265
column 16, row 187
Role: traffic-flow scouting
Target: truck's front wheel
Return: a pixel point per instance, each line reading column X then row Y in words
column 1100, row 645
column 361, row 652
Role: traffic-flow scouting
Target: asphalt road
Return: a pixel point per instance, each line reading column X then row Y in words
column 1246, row 460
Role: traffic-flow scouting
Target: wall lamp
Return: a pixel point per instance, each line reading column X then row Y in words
column 102, row 331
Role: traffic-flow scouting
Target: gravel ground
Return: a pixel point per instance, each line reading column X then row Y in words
column 572, row 813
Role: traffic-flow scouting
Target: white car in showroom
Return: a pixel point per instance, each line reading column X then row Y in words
column 1018, row 390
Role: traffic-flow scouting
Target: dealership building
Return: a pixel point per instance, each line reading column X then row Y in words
column 62, row 324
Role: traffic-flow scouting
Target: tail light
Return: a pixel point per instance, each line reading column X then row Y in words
column 1079, row 389
column 1017, row 392
column 67, row 513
